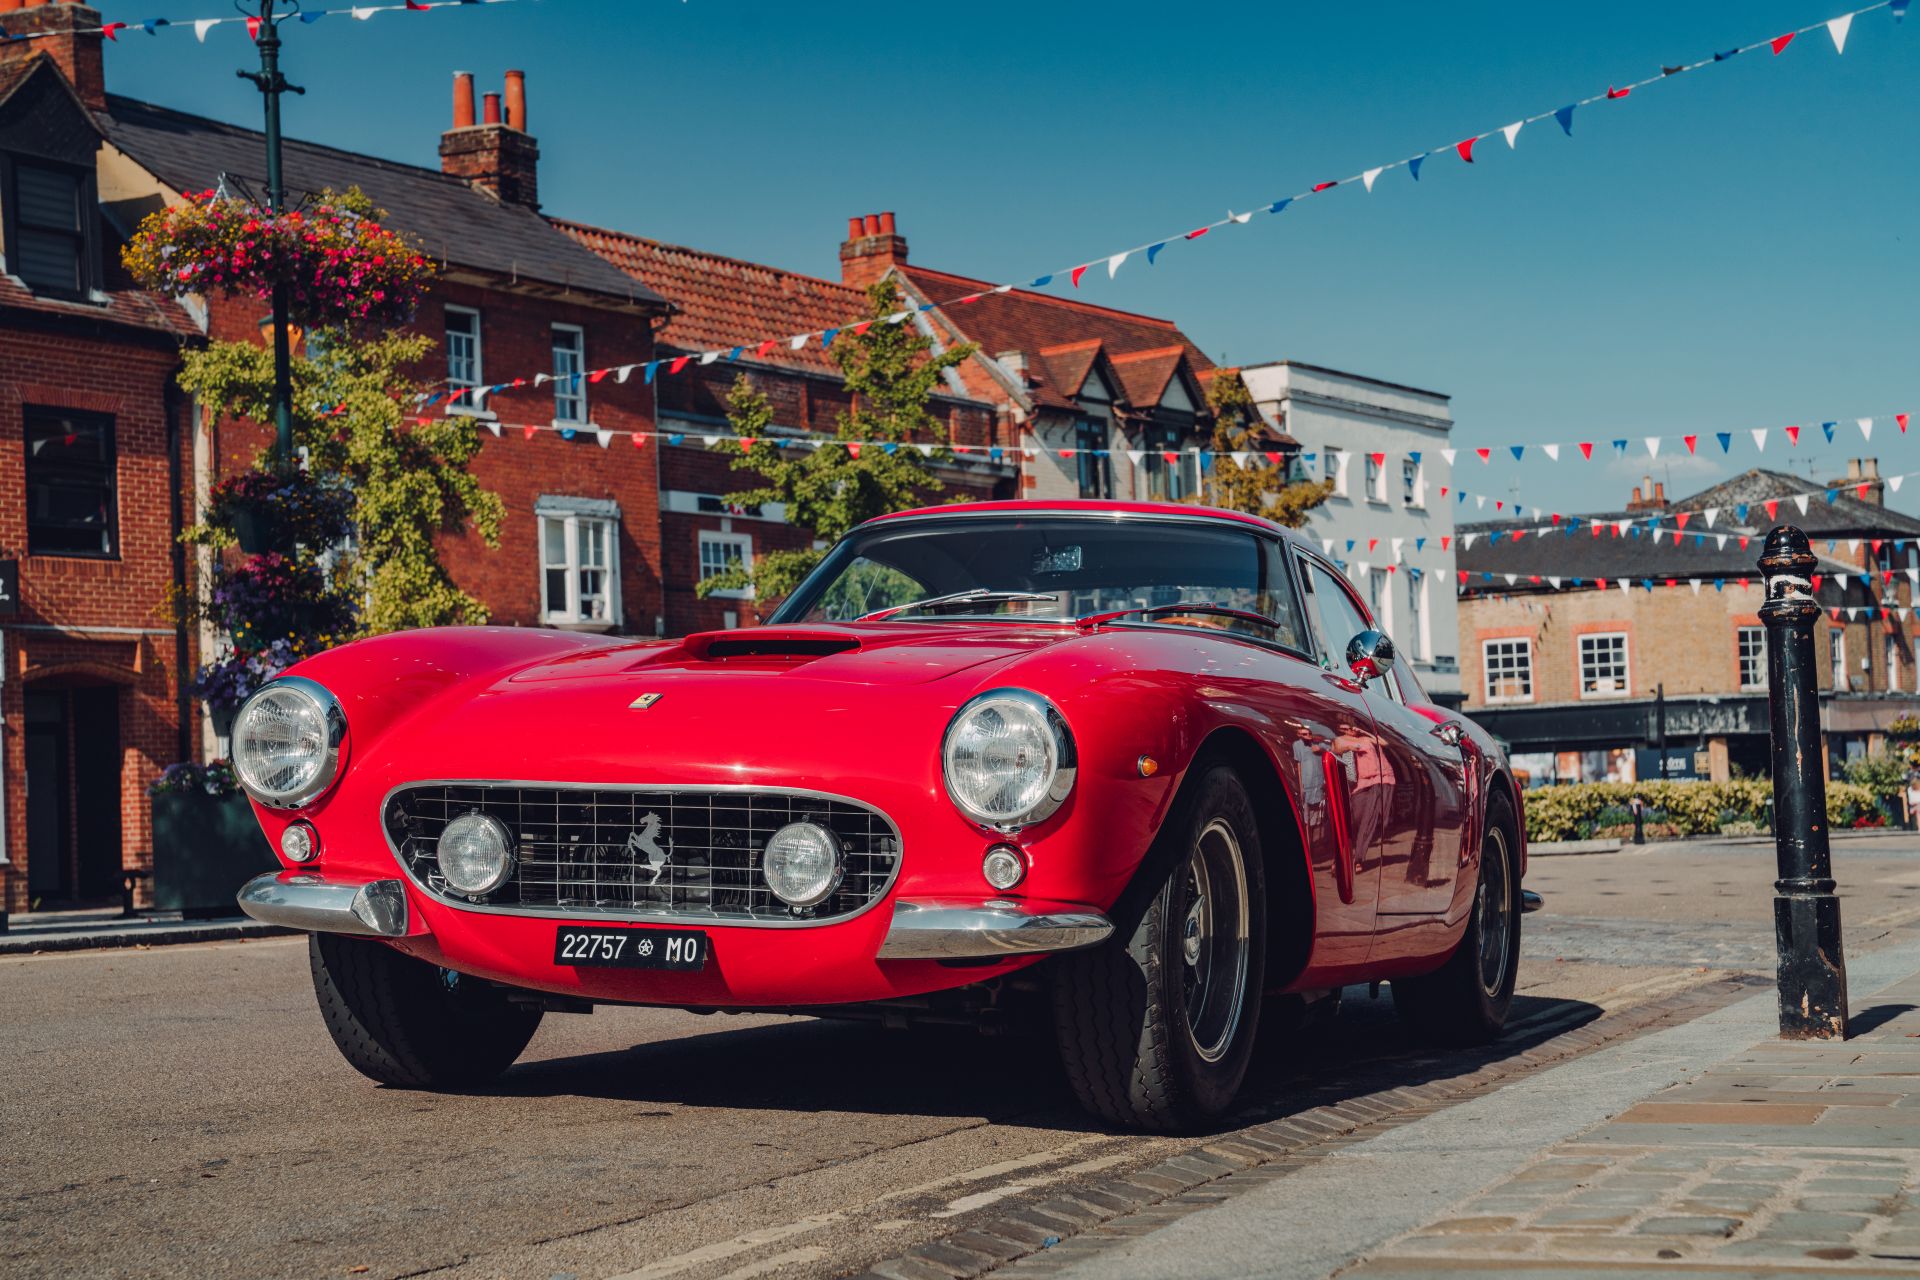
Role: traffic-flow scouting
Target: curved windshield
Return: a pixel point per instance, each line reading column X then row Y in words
column 1053, row 567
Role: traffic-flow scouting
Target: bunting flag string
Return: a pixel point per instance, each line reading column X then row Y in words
column 201, row 26
column 1367, row 178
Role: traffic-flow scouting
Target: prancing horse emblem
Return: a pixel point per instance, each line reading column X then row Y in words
column 645, row 843
column 644, row 701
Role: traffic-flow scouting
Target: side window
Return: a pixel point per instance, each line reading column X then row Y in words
column 1336, row 614
column 1277, row 601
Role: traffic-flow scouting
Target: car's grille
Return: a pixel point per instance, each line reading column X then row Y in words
column 683, row 853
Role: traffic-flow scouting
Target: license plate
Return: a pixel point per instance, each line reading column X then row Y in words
column 684, row 949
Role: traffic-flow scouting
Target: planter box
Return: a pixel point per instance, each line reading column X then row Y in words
column 204, row 848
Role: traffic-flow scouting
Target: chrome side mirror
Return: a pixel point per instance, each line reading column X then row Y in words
column 1370, row 655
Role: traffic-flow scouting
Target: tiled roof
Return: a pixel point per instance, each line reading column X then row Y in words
column 1067, row 367
column 1145, row 374
column 725, row 302
column 1581, row 554
column 125, row 305
column 1020, row 320
column 454, row 222
column 1846, row 514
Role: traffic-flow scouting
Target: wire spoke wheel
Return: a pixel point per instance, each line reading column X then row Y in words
column 1493, row 906
column 1214, row 929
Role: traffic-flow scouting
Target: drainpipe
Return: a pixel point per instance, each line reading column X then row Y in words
column 182, row 699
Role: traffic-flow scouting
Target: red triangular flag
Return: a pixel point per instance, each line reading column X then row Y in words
column 1486, row 455
column 1691, row 441
column 416, row 6
column 1379, row 459
column 853, row 450
column 598, row 374
column 765, row 347
column 528, row 430
column 1463, row 576
column 1519, row 534
column 1322, row 186
column 1443, row 491
column 1170, row 455
column 253, row 28
column 1445, row 539
column 108, row 30
column 1196, row 233
column 1534, row 579
column 1371, row 544
column 1670, row 582
column 1586, row 450
column 1602, row 582
column 1682, row 518
column 679, row 363
column 746, row 444
column 1556, row 519
column 862, row 327
column 1466, row 149
column 1875, row 544
column 1617, row 93
column 1781, row 42
column 1816, row 581
column 1743, row 547
column 1593, row 527
column 1773, row 508
column 1793, row 434
column 1076, row 273
column 639, row 440
column 1836, row 608
column 1499, row 505
column 1901, row 418
column 1066, row 453
column 1274, row 458
column 1860, row 491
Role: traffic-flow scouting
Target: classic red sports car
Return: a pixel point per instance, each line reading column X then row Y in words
column 1157, row 755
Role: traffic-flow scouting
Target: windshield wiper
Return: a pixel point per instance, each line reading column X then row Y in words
column 978, row 595
column 1198, row 606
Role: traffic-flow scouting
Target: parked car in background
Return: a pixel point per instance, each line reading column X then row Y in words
column 1155, row 758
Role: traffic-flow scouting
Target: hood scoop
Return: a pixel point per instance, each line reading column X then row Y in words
column 770, row 642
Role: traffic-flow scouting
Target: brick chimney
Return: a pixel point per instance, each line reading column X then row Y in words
column 76, row 53
column 1863, row 471
column 1648, row 495
column 871, row 249
column 497, row 156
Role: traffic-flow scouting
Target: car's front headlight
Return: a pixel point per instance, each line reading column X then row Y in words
column 1009, row 758
column 286, row 742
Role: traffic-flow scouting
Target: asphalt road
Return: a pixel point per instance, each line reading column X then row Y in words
column 180, row 1111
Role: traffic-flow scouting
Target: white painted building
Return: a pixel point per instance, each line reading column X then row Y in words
column 1388, row 523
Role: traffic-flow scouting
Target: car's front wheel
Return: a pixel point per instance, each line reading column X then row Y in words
column 405, row 1022
column 1156, row 1025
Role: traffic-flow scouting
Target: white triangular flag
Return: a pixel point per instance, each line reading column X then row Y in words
column 1657, row 531
column 542, row 379
column 603, row 435
column 1853, row 545
column 1626, row 588
column 1653, row 446
column 1720, row 541
column 1853, row 612
column 1135, row 455
column 201, row 26
column 1619, row 528
column 898, row 316
column 1242, row 218
column 1760, row 439
column 1449, row 455
column 1552, row 451
column 1555, row 582
column 1712, row 514
column 1913, row 575
column 714, row 440
column 1800, row 501
column 1894, row 482
column 1837, row 28
column 495, row 428
column 1113, row 263
column 798, row 340
column 1467, row 540
column 708, row 357
column 625, row 370
column 364, row 11
column 1480, row 500
column 1866, row 428
column 1369, row 176
column 1695, row 584
column 1361, row 570
column 1397, row 544
column 1512, row 578
column 1326, row 546
column 1340, row 461
column 1240, row 457
column 1512, row 131
column 926, row 450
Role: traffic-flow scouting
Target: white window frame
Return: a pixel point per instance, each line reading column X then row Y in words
column 741, row 545
column 1757, row 638
column 1413, row 482
column 1519, row 646
column 1837, row 657
column 1891, row 651
column 1333, row 466
column 567, row 613
column 470, row 406
column 1416, row 615
column 566, row 391
column 1626, row 663
column 1376, row 481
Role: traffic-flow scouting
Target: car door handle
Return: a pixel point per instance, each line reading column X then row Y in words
column 1450, row 733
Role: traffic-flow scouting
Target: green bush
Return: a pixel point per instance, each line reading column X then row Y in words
column 1691, row 808
column 1882, row 774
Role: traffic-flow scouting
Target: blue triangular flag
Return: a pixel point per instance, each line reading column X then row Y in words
column 890, row 448
column 651, row 366
column 1718, row 583
column 1413, row 166
column 735, row 353
column 1725, row 438
column 994, row 453
column 1899, row 10
column 1279, row 206
column 1041, row 282
column 1415, row 458
column 1829, row 546
column 313, row 15
column 1620, row 446
column 1349, row 544
column 1518, row 449
column 677, row 438
column 1460, row 494
column 1828, row 428
column 926, row 306
column 1832, row 494
column 1153, row 251
column 1722, row 57
column 1486, row 575
column 1493, row 537
column 1419, row 544
column 1565, row 116
column 1740, row 513
column 1647, row 583
column 826, row 339
column 567, row 433
column 154, row 24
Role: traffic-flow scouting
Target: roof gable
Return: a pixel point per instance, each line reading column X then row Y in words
column 42, row 117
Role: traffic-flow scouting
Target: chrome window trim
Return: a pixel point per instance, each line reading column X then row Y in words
column 714, row 919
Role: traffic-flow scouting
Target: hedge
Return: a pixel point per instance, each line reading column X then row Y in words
column 1694, row 808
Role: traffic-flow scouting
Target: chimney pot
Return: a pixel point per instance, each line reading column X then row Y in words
column 517, row 100
column 1634, row 501
column 1871, row 467
column 886, row 224
column 873, row 247
column 462, row 97
column 870, row 225
column 1659, row 491
column 1853, row 468
column 490, row 109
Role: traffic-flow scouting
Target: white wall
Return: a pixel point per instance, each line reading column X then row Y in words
column 1361, row 416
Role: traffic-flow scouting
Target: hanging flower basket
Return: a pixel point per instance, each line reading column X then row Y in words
column 268, row 511
column 338, row 264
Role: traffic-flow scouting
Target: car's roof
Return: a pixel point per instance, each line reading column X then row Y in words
column 1089, row 507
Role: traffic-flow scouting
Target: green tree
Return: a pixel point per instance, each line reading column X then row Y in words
column 410, row 479
column 1257, row 487
column 871, row 466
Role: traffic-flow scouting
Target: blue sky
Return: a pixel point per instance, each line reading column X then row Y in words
column 1727, row 249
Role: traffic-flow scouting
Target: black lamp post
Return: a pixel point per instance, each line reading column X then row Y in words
column 271, row 85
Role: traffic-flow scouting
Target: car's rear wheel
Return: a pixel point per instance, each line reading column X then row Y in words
column 1466, row 1000
column 405, row 1022
column 1156, row 1025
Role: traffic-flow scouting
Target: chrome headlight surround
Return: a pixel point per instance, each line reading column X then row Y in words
column 1049, row 730
column 327, row 761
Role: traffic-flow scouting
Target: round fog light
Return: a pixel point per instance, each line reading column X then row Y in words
column 299, row 843
column 802, row 864
column 475, row 853
column 1004, row 866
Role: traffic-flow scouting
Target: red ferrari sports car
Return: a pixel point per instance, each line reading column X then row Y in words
column 1154, row 762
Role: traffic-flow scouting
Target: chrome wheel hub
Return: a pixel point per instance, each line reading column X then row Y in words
column 1214, row 928
column 1493, row 909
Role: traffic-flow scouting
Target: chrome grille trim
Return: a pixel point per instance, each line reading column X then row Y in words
column 571, row 859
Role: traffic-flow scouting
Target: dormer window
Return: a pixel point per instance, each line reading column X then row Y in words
column 48, row 226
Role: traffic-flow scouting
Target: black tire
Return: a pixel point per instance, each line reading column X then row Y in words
column 1148, row 1039
column 1466, row 1000
column 405, row 1022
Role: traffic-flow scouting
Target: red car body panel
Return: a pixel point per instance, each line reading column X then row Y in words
column 1388, row 869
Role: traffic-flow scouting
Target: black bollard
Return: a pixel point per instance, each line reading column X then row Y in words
column 1639, row 820
column 1806, row 914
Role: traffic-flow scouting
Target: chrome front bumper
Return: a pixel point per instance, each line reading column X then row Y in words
column 299, row 900
column 973, row 930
